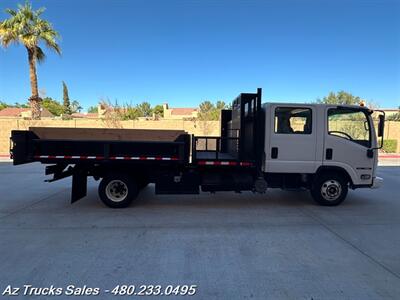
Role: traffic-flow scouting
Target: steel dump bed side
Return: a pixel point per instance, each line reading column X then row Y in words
column 73, row 145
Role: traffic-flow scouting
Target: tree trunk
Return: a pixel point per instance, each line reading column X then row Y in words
column 34, row 99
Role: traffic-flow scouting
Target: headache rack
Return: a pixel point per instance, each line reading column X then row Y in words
column 242, row 135
column 215, row 148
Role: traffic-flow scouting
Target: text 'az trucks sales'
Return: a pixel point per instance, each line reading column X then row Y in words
column 324, row 148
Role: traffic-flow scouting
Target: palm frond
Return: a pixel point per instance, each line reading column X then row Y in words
column 51, row 44
column 39, row 11
column 26, row 27
column 7, row 35
column 11, row 12
column 29, row 40
column 39, row 54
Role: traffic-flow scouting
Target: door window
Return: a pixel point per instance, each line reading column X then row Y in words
column 293, row 120
column 349, row 124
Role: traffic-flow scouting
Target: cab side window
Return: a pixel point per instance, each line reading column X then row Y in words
column 349, row 124
column 293, row 120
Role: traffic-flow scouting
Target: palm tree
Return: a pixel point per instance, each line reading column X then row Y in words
column 27, row 28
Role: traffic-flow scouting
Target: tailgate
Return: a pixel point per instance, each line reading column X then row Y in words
column 21, row 146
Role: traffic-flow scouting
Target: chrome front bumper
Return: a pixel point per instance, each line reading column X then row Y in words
column 377, row 182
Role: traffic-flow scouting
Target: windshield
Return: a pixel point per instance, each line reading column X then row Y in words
column 350, row 124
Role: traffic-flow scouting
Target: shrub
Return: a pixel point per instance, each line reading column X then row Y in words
column 394, row 117
column 390, row 146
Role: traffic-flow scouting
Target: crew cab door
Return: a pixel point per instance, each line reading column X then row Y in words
column 348, row 136
column 292, row 139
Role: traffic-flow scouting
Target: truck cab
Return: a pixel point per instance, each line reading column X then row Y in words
column 307, row 141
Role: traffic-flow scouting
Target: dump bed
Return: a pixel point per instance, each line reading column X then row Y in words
column 106, row 134
column 72, row 145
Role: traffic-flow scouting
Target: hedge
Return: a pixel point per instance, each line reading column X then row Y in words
column 390, row 146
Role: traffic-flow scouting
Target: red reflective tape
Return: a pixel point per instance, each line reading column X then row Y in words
column 111, row 157
column 232, row 163
column 217, row 163
column 245, row 164
column 201, row 162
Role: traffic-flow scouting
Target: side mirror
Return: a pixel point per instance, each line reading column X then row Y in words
column 381, row 125
column 366, row 125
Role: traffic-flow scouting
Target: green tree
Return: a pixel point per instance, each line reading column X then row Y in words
column 76, row 107
column 20, row 105
column 205, row 111
column 16, row 104
column 93, row 109
column 340, row 97
column 220, row 105
column 144, row 109
column 25, row 26
column 130, row 112
column 66, row 102
column 3, row 105
column 53, row 106
column 158, row 110
column 395, row 116
column 210, row 112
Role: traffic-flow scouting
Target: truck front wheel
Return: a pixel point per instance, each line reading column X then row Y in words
column 118, row 190
column 329, row 189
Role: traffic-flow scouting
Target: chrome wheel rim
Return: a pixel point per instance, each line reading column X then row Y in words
column 331, row 190
column 116, row 190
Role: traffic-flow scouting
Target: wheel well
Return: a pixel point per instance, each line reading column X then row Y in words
column 337, row 170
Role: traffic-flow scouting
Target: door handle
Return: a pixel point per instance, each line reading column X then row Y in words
column 329, row 154
column 274, row 152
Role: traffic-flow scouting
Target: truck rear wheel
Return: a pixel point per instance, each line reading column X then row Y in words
column 118, row 190
column 329, row 189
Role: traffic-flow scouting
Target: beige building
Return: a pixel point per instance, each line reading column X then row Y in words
column 179, row 113
column 23, row 113
column 390, row 111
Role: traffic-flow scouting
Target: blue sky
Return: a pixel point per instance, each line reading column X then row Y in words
column 184, row 52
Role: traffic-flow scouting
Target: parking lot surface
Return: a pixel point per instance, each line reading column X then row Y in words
column 232, row 246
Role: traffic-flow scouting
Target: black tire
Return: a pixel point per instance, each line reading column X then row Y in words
column 118, row 190
column 329, row 189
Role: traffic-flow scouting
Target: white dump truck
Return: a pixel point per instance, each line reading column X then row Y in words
column 324, row 148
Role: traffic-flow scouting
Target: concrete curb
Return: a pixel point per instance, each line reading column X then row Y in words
column 389, row 156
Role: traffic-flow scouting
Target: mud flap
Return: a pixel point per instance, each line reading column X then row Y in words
column 79, row 185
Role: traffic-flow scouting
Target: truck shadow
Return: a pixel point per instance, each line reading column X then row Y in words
column 276, row 198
